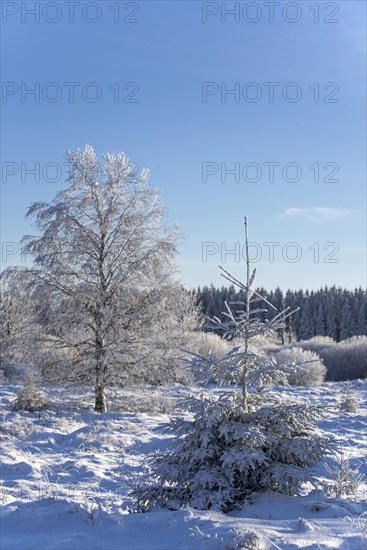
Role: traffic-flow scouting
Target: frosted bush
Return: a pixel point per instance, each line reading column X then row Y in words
column 315, row 344
column 264, row 342
column 348, row 400
column 210, row 346
column 346, row 360
column 208, row 343
column 244, row 540
column 308, row 368
column 29, row 398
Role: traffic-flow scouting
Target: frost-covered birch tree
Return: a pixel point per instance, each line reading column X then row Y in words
column 102, row 262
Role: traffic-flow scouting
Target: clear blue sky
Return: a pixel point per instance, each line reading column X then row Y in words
column 168, row 53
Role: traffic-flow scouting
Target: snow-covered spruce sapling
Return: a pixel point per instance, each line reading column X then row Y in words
column 237, row 442
column 345, row 479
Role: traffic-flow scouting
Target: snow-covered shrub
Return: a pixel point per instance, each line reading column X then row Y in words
column 315, row 344
column 346, row 360
column 29, row 398
column 208, row 343
column 243, row 540
column 241, row 442
column 264, row 342
column 345, row 479
column 305, row 368
column 348, row 399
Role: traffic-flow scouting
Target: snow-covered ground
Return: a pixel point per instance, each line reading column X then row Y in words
column 66, row 473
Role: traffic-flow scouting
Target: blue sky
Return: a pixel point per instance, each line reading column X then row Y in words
column 168, row 53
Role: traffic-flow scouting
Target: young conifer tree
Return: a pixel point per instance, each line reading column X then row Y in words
column 237, row 441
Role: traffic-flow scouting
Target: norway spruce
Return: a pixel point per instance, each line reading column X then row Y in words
column 243, row 440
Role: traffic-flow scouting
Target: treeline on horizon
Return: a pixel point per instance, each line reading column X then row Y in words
column 333, row 312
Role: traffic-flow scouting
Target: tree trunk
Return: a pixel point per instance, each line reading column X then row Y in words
column 247, row 312
column 100, row 388
column 100, row 398
column 100, row 352
column 282, row 339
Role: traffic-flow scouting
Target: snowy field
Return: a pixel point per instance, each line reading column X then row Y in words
column 66, row 473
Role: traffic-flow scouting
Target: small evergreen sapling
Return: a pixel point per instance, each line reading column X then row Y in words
column 237, row 442
column 345, row 479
